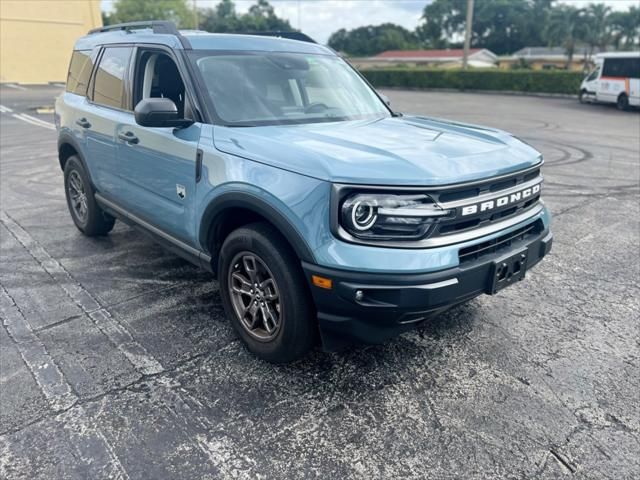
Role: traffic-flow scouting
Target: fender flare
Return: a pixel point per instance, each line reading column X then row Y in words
column 67, row 138
column 250, row 201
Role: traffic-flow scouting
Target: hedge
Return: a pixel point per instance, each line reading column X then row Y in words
column 539, row 81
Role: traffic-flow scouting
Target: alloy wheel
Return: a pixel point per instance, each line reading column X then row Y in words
column 255, row 296
column 78, row 196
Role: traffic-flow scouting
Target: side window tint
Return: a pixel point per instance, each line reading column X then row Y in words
column 610, row 68
column 108, row 86
column 79, row 72
column 621, row 67
column 634, row 68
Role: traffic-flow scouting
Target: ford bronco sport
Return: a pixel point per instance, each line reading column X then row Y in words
column 272, row 163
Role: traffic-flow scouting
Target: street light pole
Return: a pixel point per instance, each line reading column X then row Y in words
column 467, row 34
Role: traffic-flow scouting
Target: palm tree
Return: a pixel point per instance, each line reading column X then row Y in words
column 597, row 32
column 565, row 27
column 626, row 28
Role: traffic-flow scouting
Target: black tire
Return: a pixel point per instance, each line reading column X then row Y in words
column 296, row 332
column 581, row 95
column 89, row 217
column 623, row 102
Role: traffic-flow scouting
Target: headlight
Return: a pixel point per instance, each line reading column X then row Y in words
column 382, row 216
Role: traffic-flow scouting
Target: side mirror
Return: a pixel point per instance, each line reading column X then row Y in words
column 385, row 99
column 159, row 112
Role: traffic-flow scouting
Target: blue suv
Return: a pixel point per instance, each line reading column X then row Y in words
column 273, row 164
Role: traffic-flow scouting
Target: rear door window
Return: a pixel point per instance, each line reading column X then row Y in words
column 109, row 83
column 79, row 72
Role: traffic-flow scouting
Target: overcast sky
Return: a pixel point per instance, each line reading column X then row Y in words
column 320, row 18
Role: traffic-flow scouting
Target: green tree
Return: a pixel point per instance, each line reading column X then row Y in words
column 502, row 26
column 596, row 26
column 565, row 27
column 224, row 18
column 625, row 28
column 262, row 17
column 537, row 17
column 371, row 40
column 442, row 20
column 138, row 10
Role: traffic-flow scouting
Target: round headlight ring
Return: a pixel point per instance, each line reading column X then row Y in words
column 366, row 218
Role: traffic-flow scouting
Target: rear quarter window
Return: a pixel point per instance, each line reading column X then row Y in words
column 79, row 72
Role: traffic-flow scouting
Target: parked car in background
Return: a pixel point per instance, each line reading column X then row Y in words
column 615, row 79
column 273, row 164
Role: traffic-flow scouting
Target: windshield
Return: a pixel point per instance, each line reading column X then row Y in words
column 271, row 88
column 594, row 74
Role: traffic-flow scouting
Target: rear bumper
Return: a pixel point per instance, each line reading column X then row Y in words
column 390, row 304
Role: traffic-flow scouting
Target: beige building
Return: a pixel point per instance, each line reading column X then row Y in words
column 37, row 37
column 548, row 58
column 449, row 58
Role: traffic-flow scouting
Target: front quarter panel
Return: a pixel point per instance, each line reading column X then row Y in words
column 303, row 202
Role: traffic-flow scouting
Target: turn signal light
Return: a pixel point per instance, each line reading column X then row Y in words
column 322, row 282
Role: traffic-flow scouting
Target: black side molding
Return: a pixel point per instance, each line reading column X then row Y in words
column 198, row 165
column 193, row 255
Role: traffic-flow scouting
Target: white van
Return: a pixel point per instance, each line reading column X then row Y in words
column 615, row 79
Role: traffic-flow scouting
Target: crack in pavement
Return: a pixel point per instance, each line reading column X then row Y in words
column 108, row 325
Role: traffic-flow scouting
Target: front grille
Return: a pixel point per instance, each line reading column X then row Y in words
column 474, row 252
column 466, row 211
column 457, row 199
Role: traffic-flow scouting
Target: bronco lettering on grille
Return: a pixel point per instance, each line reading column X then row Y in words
column 500, row 201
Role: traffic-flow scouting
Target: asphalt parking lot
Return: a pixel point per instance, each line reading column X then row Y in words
column 116, row 360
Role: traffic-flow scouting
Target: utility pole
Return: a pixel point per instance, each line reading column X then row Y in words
column 195, row 16
column 467, row 34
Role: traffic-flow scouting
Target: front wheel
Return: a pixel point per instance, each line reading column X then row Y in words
column 265, row 295
column 582, row 96
column 623, row 102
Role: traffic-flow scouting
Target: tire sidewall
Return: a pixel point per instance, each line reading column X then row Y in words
column 97, row 222
column 294, row 302
column 623, row 102
column 73, row 164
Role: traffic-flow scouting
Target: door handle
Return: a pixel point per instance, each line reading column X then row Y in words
column 128, row 137
column 83, row 122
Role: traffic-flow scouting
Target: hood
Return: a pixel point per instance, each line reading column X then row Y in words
column 411, row 151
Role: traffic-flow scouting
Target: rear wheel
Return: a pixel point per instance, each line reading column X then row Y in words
column 623, row 102
column 264, row 293
column 85, row 212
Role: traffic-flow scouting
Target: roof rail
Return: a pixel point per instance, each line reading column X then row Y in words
column 157, row 26
column 291, row 35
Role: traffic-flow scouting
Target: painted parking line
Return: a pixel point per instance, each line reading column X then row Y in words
column 144, row 362
column 13, row 85
column 33, row 121
column 44, row 369
column 4, row 109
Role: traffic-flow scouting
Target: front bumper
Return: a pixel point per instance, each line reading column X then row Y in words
column 389, row 304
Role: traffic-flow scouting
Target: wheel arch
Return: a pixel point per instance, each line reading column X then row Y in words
column 68, row 147
column 234, row 209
